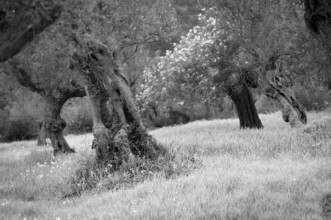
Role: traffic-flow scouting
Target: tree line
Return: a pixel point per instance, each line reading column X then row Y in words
column 128, row 57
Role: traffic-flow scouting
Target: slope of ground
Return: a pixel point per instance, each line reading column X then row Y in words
column 273, row 173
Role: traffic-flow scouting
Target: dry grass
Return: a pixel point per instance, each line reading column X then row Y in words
column 274, row 173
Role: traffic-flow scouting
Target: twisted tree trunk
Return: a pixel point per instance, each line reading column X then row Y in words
column 52, row 125
column 292, row 111
column 124, row 136
column 280, row 89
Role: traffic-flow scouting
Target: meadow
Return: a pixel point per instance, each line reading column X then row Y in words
column 273, row 173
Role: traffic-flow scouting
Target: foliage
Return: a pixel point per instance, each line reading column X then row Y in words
column 21, row 21
column 77, row 114
column 185, row 74
column 24, row 128
column 313, row 100
column 20, row 116
column 257, row 31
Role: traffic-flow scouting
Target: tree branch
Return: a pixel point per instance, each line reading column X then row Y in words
column 67, row 94
column 24, row 78
column 74, row 91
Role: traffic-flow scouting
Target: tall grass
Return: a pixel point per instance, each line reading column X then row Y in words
column 274, row 173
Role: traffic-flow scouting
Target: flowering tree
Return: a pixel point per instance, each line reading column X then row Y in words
column 263, row 34
column 206, row 61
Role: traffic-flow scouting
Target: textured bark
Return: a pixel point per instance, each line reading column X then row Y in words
column 292, row 111
column 280, row 90
column 126, row 136
column 20, row 28
column 107, row 111
column 54, row 126
column 246, row 110
column 236, row 84
column 103, row 140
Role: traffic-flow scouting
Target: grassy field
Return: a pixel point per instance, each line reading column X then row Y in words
column 274, row 173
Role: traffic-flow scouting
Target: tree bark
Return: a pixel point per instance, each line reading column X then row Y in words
column 54, row 126
column 126, row 137
column 42, row 134
column 292, row 111
column 19, row 28
column 280, row 90
column 244, row 103
column 236, row 84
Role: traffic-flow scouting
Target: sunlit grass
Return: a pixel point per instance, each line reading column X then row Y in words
column 273, row 173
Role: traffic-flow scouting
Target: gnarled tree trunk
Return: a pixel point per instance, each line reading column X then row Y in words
column 236, row 84
column 291, row 109
column 54, row 126
column 126, row 136
column 280, row 89
column 102, row 135
column 246, row 110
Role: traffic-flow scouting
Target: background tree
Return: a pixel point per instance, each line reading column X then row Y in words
column 266, row 34
column 42, row 67
column 265, row 30
column 191, row 69
column 21, row 20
